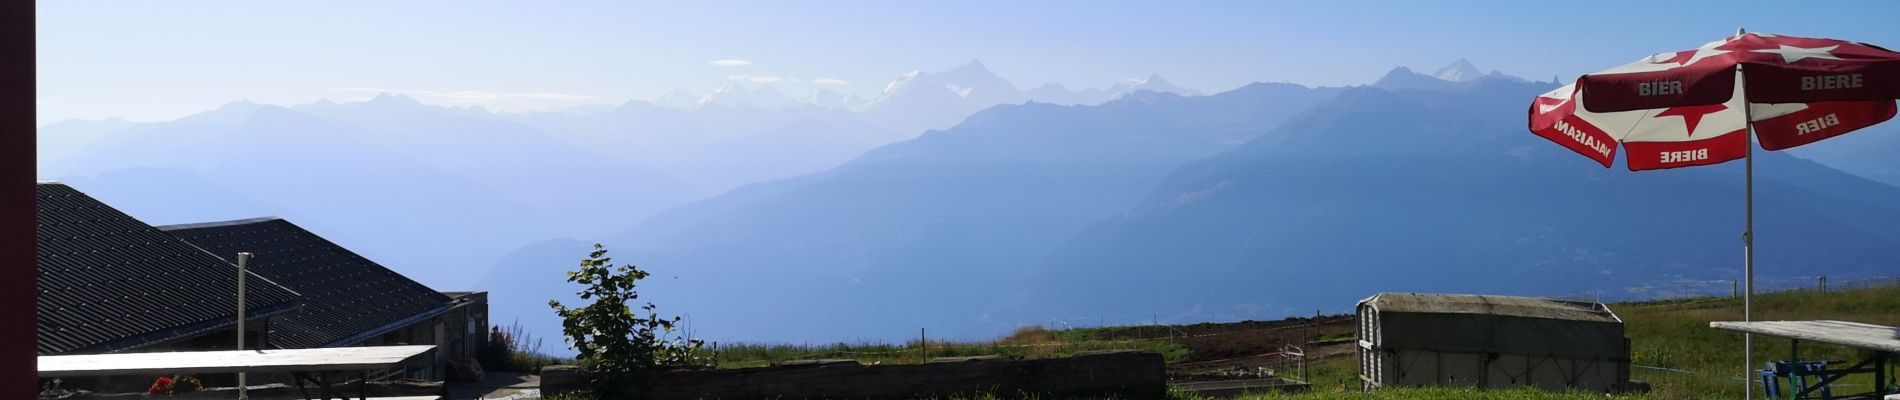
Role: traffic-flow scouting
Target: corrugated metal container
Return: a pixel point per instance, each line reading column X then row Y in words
column 1410, row 339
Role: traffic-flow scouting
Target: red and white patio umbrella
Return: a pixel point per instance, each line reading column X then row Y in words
column 1698, row 107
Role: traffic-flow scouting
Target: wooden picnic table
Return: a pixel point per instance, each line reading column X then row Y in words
column 313, row 365
column 1884, row 341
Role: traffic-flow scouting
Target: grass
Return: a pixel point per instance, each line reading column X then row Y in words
column 1673, row 348
column 1422, row 394
column 1675, row 335
column 1032, row 342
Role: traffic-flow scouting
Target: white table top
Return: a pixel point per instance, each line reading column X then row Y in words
column 1851, row 334
column 196, row 362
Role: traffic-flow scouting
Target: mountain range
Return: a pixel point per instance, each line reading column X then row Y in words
column 1261, row 202
column 957, row 202
column 1419, row 191
column 404, row 181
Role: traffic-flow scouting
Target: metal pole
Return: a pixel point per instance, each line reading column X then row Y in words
column 1748, row 238
column 242, row 260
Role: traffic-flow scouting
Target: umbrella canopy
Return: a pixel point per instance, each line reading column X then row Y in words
column 1684, row 108
column 1698, row 107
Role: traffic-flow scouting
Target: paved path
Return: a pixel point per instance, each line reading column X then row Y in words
column 497, row 386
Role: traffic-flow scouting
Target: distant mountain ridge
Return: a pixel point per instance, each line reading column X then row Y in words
column 388, row 177
column 837, row 217
column 1868, row 153
column 1445, row 192
column 1373, row 190
column 1459, row 75
column 245, row 160
column 949, row 210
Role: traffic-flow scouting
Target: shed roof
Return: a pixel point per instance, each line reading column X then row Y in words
column 346, row 296
column 1514, row 306
column 108, row 282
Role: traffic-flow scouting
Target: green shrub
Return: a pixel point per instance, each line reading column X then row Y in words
column 609, row 335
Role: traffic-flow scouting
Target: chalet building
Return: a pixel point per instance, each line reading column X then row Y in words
column 110, row 283
column 348, row 300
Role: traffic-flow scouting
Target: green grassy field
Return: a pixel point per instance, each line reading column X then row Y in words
column 1673, row 348
column 1024, row 343
column 1675, row 335
column 1687, row 359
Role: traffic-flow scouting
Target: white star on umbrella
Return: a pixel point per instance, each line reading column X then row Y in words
column 1552, row 106
column 1698, row 55
column 1790, row 54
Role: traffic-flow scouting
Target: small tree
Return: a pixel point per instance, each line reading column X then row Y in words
column 610, row 336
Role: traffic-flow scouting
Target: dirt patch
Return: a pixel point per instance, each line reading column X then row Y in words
column 1249, row 349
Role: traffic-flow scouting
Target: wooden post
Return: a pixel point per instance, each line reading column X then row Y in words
column 923, row 342
column 17, row 211
column 242, row 260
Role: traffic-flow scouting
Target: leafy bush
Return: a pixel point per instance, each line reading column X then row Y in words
column 513, row 349
column 609, row 335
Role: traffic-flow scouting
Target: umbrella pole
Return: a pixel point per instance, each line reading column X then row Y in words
column 1748, row 246
column 1748, row 263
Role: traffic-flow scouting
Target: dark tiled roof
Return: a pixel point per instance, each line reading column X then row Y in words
column 108, row 282
column 345, row 295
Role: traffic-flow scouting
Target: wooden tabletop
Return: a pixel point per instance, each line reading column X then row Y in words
column 1851, row 334
column 198, row 362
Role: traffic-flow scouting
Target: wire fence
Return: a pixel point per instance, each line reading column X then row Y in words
column 1692, row 288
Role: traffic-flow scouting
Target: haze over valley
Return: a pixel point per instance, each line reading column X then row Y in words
column 959, row 202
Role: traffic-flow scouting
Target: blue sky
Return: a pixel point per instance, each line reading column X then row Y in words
column 148, row 61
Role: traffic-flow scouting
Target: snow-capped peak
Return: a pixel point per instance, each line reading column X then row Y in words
column 901, row 82
column 1154, row 82
column 960, row 91
column 678, row 99
column 734, row 95
column 1459, row 71
column 971, row 81
column 829, row 99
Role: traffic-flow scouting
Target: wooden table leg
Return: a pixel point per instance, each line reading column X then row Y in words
column 299, row 377
column 323, row 378
column 1880, row 374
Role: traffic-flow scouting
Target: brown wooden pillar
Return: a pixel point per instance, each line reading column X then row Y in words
column 17, row 195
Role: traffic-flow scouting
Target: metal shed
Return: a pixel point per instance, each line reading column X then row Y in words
column 1413, row 339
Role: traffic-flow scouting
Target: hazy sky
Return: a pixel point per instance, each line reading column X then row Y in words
column 149, row 61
